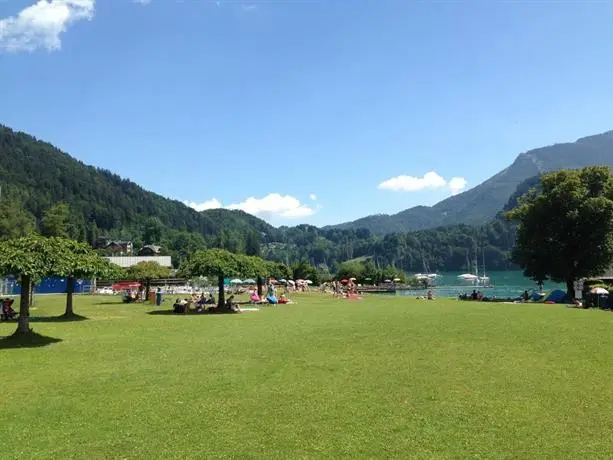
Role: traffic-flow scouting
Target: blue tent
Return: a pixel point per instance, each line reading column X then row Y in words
column 537, row 296
column 557, row 296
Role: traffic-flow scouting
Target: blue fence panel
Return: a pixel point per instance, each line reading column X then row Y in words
column 53, row 285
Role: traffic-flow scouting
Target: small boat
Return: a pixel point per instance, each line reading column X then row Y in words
column 474, row 278
column 427, row 276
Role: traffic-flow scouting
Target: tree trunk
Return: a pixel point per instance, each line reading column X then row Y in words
column 221, row 300
column 570, row 290
column 260, row 289
column 31, row 294
column 23, row 324
column 70, row 284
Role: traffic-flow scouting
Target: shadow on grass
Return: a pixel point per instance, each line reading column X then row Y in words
column 26, row 340
column 57, row 319
column 109, row 302
column 191, row 313
column 165, row 312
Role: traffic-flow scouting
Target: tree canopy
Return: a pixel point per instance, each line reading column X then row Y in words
column 34, row 257
column 220, row 262
column 14, row 220
column 56, row 221
column 566, row 228
column 147, row 271
column 223, row 263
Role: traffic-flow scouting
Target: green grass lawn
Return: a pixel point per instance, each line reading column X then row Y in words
column 386, row 377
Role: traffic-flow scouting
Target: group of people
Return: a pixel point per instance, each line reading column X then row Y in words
column 202, row 303
column 271, row 296
column 347, row 289
column 205, row 303
column 475, row 295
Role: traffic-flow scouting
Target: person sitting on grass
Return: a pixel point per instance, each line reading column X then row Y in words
column 7, row 309
column 283, row 299
column 180, row 306
column 232, row 306
column 271, row 296
column 430, row 295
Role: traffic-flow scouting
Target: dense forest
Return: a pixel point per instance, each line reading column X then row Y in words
column 44, row 189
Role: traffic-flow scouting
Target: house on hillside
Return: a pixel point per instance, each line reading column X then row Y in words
column 115, row 247
column 150, row 250
column 102, row 242
column 120, row 247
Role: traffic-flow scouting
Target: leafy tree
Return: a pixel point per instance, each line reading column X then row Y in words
column 278, row 270
column 145, row 272
column 223, row 263
column 566, row 230
column 56, row 221
column 351, row 270
column 31, row 258
column 15, row 221
column 153, row 230
column 83, row 262
column 370, row 273
column 391, row 273
column 252, row 244
column 305, row 271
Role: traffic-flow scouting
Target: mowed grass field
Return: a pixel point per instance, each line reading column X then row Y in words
column 385, row 377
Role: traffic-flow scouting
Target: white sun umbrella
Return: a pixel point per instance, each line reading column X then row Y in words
column 282, row 280
column 235, row 281
column 308, row 282
column 249, row 281
column 291, row 282
column 599, row 291
column 396, row 280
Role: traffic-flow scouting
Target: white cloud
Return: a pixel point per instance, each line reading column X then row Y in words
column 142, row 2
column 272, row 205
column 457, row 184
column 430, row 180
column 210, row 204
column 313, row 197
column 40, row 25
column 249, row 7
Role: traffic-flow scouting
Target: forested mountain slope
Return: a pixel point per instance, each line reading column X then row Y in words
column 481, row 203
column 36, row 177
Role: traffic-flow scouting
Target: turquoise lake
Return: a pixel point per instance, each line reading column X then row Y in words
column 505, row 284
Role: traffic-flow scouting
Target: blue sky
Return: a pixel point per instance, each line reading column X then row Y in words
column 305, row 111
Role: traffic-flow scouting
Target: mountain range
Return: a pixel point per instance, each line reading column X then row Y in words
column 35, row 176
column 481, row 203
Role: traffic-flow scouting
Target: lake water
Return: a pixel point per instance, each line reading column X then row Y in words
column 505, row 284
